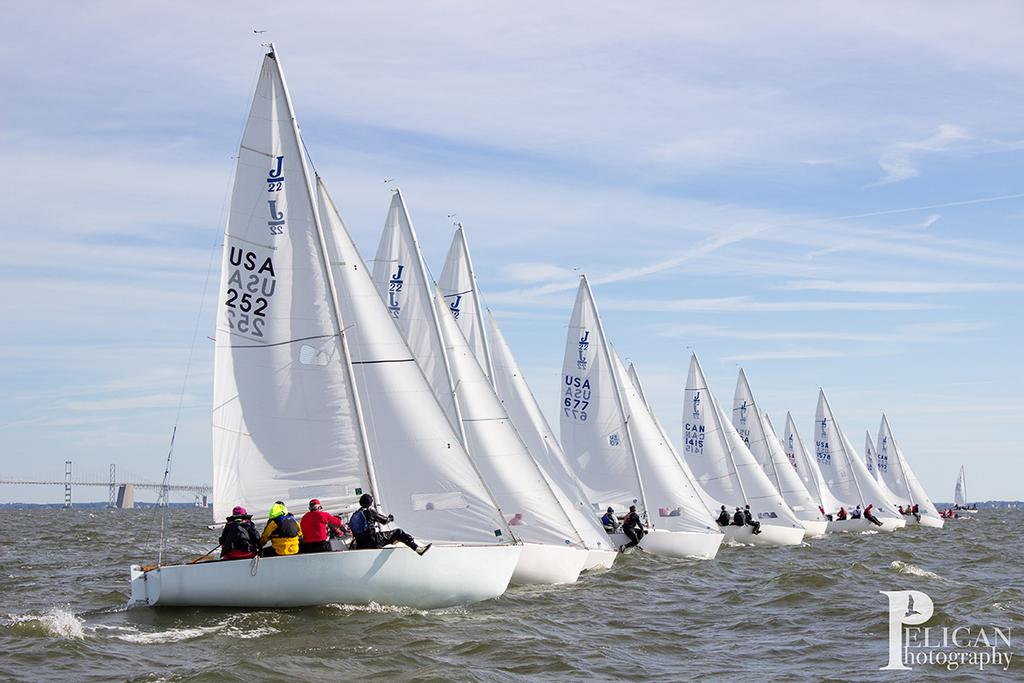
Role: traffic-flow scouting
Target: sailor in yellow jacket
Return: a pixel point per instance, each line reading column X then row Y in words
column 282, row 531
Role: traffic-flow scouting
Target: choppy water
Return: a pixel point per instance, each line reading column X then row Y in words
column 807, row 614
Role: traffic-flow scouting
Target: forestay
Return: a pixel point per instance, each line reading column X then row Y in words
column 898, row 474
column 425, row 475
column 407, row 290
column 717, row 456
column 593, row 427
column 764, row 446
column 284, row 421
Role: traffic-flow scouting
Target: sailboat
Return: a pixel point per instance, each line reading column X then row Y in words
column 553, row 550
column 459, row 286
column 846, row 476
column 960, row 494
column 895, row 471
column 616, row 449
column 871, row 462
column 756, row 432
column 727, row 470
column 316, row 395
column 807, row 468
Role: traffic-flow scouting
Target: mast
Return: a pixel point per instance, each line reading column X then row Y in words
column 336, row 319
column 618, row 396
column 429, row 288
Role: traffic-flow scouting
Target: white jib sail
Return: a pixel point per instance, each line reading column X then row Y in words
column 842, row 468
column 899, row 470
column 593, row 427
column 807, row 467
column 707, row 502
column 717, row 456
column 284, row 422
column 462, row 298
column 408, row 292
column 871, row 462
column 749, row 421
column 528, row 419
column 425, row 475
column 960, row 493
column 675, row 505
column 515, row 480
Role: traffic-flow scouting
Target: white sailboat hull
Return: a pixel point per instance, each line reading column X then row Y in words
column 599, row 559
column 541, row 565
column 814, row 528
column 857, row 525
column 926, row 521
column 689, row 544
column 770, row 535
column 445, row 576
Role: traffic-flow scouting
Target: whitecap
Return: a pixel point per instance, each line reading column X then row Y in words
column 377, row 608
column 907, row 568
column 869, row 532
column 61, row 623
column 173, row 635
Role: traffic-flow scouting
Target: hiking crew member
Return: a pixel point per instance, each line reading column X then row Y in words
column 723, row 517
column 870, row 517
column 737, row 518
column 282, row 531
column 749, row 520
column 856, row 513
column 841, row 515
column 610, row 521
column 915, row 511
column 315, row 525
column 363, row 524
column 239, row 540
column 633, row 528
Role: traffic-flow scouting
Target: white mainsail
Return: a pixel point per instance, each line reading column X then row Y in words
column 807, row 467
column 721, row 462
column 458, row 284
column 900, row 478
column 533, row 428
column 844, row 472
column 593, row 423
column 408, row 292
column 764, row 446
column 425, row 474
column 960, row 493
column 284, row 421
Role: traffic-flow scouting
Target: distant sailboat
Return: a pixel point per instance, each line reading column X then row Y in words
column 847, row 478
column 895, row 471
column 308, row 371
column 960, row 494
column 727, row 471
column 760, row 438
column 616, row 449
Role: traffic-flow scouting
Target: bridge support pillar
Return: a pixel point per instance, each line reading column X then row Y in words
column 126, row 496
column 67, row 483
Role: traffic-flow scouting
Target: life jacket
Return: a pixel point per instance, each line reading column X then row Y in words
column 239, row 536
column 287, row 527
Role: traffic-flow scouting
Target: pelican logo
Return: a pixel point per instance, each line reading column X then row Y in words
column 454, row 306
column 948, row 647
column 584, row 346
column 394, row 288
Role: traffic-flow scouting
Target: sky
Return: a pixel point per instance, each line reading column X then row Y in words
column 827, row 196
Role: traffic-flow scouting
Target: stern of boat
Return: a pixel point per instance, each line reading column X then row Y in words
column 145, row 586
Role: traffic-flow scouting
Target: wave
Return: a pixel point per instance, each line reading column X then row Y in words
column 907, row 568
column 376, row 608
column 58, row 622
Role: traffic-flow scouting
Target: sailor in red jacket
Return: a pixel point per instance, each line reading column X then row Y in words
column 314, row 527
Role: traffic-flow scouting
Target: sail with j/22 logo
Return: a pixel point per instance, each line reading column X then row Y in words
column 462, row 299
column 283, row 423
column 408, row 291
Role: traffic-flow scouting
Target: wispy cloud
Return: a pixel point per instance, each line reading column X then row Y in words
column 898, row 287
column 898, row 162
